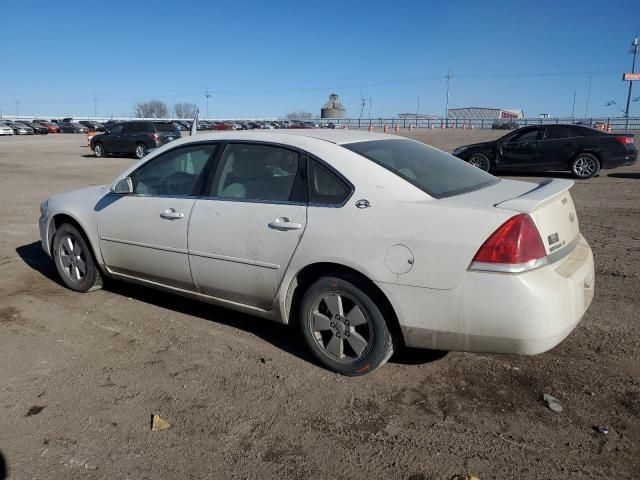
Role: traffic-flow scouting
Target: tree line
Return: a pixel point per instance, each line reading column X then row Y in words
column 159, row 109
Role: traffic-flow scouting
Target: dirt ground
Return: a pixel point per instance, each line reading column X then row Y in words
column 81, row 375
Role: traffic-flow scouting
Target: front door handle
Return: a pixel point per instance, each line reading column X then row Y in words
column 171, row 214
column 283, row 224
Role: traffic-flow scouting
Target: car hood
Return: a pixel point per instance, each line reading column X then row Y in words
column 479, row 145
column 84, row 196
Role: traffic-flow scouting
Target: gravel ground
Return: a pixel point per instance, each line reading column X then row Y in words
column 81, row 375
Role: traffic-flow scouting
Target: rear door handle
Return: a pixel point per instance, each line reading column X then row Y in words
column 283, row 224
column 171, row 214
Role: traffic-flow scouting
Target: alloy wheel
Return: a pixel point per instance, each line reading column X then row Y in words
column 341, row 330
column 73, row 259
column 480, row 161
column 140, row 151
column 585, row 166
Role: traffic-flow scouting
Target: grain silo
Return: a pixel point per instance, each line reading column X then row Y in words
column 333, row 108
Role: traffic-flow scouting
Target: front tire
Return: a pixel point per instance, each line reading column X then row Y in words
column 140, row 150
column 480, row 160
column 98, row 150
column 585, row 166
column 343, row 327
column 74, row 261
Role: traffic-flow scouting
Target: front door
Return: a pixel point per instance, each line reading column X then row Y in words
column 144, row 234
column 519, row 150
column 245, row 229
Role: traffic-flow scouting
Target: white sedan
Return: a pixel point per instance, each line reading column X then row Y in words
column 5, row 129
column 363, row 241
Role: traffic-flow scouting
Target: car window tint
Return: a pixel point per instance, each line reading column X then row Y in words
column 557, row 131
column 255, row 172
column 165, row 127
column 431, row 170
column 325, row 187
column 116, row 130
column 179, row 172
column 528, row 136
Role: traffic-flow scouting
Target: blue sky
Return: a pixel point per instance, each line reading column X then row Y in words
column 266, row 58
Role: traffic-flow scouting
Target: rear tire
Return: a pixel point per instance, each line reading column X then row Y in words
column 74, row 260
column 140, row 150
column 343, row 327
column 481, row 161
column 585, row 166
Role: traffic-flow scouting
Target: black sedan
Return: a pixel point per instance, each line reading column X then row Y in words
column 70, row 127
column 37, row 128
column 579, row 149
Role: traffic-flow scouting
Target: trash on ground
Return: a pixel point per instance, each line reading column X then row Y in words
column 552, row 402
column 158, row 423
column 602, row 429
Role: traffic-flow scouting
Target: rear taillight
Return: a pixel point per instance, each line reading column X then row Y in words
column 155, row 137
column 514, row 247
column 625, row 140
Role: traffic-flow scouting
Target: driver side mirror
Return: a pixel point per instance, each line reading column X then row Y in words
column 124, row 186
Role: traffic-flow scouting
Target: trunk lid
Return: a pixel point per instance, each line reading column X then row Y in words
column 548, row 203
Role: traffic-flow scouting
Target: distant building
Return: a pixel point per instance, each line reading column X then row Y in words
column 333, row 108
column 481, row 113
column 416, row 116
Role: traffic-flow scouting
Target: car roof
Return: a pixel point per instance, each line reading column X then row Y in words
column 339, row 137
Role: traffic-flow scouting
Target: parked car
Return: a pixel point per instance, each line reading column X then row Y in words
column 5, row 129
column 465, row 261
column 604, row 126
column 51, row 127
column 583, row 151
column 110, row 123
column 19, row 128
column 93, row 126
column 135, row 138
column 221, row 126
column 37, row 128
column 72, row 127
column 504, row 125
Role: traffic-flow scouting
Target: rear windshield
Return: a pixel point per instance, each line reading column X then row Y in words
column 431, row 170
column 165, row 127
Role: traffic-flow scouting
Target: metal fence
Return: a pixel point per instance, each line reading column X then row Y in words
column 615, row 123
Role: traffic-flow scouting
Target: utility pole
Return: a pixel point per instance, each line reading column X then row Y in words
column 634, row 51
column 573, row 108
column 95, row 106
column 207, row 96
column 18, row 102
column 363, row 102
column 446, row 107
column 417, row 110
column 586, row 108
column 369, row 110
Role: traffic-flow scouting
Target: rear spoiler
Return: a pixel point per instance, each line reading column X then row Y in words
column 543, row 192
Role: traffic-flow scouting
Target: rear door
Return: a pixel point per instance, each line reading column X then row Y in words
column 557, row 147
column 519, row 150
column 244, row 231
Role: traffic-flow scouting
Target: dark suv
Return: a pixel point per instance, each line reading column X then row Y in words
column 135, row 138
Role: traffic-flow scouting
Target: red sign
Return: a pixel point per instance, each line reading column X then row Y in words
column 631, row 76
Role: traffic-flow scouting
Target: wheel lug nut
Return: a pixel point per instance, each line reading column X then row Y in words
column 338, row 334
column 347, row 334
column 332, row 325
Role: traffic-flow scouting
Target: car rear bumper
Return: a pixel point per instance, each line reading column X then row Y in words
column 526, row 313
column 629, row 158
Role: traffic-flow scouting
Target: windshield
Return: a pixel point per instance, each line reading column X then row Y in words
column 431, row 170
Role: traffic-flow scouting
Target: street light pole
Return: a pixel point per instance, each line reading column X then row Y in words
column 207, row 95
column 634, row 50
column 573, row 108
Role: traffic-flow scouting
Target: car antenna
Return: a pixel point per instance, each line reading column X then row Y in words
column 194, row 125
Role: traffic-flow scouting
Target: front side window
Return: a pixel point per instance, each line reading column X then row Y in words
column 117, row 130
column 528, row 136
column 179, row 172
column 431, row 170
column 256, row 172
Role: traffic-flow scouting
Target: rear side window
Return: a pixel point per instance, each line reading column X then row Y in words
column 558, row 131
column 325, row 187
column 431, row 170
column 165, row 127
column 130, row 128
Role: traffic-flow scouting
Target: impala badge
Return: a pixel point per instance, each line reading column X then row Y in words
column 553, row 239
